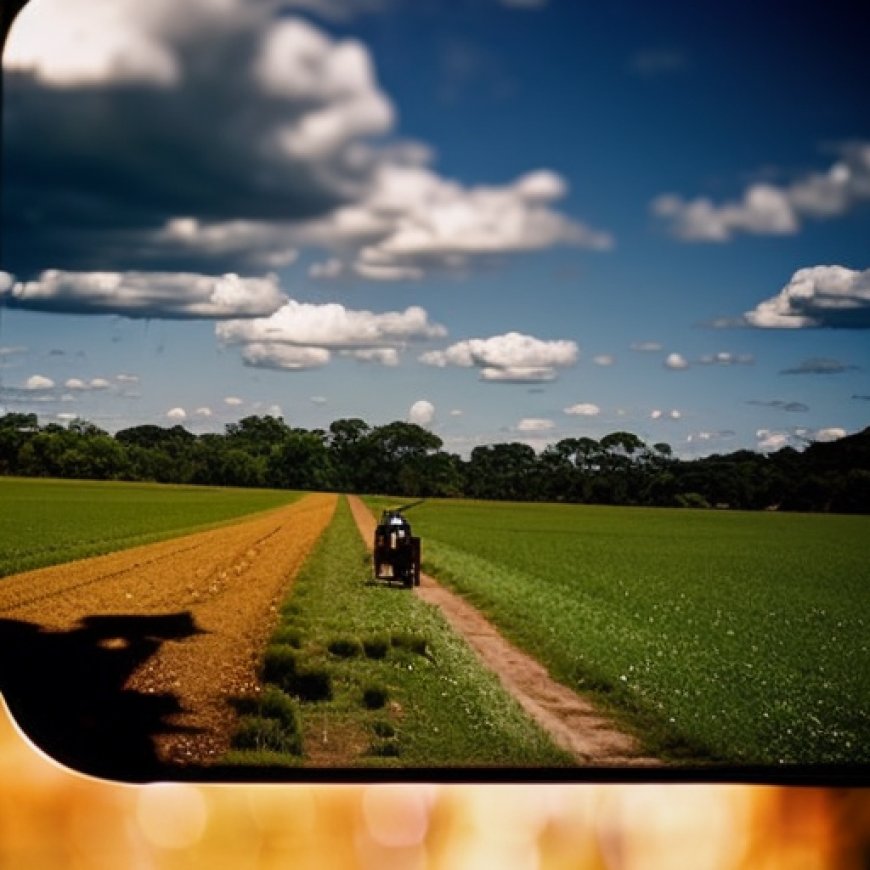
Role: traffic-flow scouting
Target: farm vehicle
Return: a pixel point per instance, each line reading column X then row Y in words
column 396, row 551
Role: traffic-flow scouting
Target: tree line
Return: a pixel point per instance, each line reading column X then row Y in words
column 404, row 459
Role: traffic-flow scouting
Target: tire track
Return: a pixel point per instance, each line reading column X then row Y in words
column 572, row 721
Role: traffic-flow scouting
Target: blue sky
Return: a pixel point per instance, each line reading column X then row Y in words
column 520, row 220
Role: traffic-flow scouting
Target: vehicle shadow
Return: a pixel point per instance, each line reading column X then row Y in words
column 66, row 690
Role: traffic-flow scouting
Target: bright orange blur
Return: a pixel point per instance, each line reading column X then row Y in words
column 50, row 817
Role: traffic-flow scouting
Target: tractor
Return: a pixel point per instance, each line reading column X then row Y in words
column 396, row 552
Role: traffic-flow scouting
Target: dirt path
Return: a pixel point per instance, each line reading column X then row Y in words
column 572, row 721
column 126, row 664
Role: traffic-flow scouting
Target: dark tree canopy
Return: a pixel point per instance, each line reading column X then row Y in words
column 404, row 459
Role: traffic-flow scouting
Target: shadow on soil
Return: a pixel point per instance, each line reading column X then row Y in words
column 66, row 691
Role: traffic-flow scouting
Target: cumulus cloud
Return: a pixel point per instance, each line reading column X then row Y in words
column 38, row 382
column 767, row 209
column 583, row 409
column 833, row 433
column 385, row 356
column 204, row 411
column 535, row 424
column 818, row 365
column 431, row 221
column 331, row 325
column 676, row 361
column 285, row 357
column 201, row 171
column 233, row 401
column 817, row 297
column 177, row 414
column 771, row 439
column 604, row 359
column 512, row 357
column 422, row 413
column 658, row 414
column 148, row 294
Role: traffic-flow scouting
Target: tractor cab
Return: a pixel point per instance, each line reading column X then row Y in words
column 396, row 552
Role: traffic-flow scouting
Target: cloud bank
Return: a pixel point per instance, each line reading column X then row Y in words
column 128, row 146
column 817, row 297
column 767, row 209
column 167, row 295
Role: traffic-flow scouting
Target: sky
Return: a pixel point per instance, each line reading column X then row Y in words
column 504, row 220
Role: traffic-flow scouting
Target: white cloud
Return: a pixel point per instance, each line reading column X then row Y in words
column 833, row 433
column 317, row 400
column 429, row 221
column 331, row 326
column 287, row 357
column 768, row 209
column 604, row 359
column 176, row 414
column 124, row 378
column 583, row 409
column 676, row 361
column 385, row 356
column 233, row 401
column 82, row 386
column 299, row 62
column 456, row 412
column 646, row 346
column 149, row 294
column 38, row 382
column 12, row 350
column 6, row 279
column 330, row 268
column 422, row 413
column 512, row 357
column 275, row 411
column 726, row 358
column 535, row 424
column 769, row 440
column 119, row 44
column 204, row 411
column 818, row 296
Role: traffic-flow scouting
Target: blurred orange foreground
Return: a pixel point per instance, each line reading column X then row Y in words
column 51, row 817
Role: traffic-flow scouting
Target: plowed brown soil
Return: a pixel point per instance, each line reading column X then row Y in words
column 571, row 720
column 182, row 622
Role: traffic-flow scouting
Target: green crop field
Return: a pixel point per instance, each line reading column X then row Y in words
column 727, row 636
column 372, row 676
column 44, row 522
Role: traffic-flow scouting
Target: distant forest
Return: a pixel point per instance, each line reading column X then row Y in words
column 403, row 459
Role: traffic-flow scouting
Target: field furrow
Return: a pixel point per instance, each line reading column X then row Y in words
column 125, row 664
column 572, row 721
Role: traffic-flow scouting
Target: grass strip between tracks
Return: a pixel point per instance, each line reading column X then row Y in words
column 362, row 673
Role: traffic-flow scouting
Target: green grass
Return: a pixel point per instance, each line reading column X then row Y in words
column 45, row 522
column 413, row 694
column 737, row 637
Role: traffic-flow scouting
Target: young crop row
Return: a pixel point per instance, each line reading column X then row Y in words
column 361, row 673
column 46, row 522
column 723, row 636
